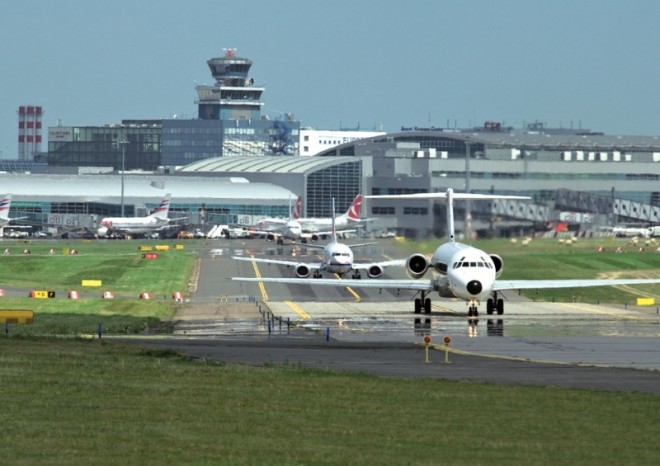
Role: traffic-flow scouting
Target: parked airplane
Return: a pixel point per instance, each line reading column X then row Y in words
column 280, row 229
column 351, row 216
column 5, row 204
column 308, row 228
column 157, row 220
column 460, row 270
column 337, row 259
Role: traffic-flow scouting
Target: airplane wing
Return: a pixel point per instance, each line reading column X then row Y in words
column 273, row 222
column 360, row 245
column 312, row 266
column 368, row 265
column 431, row 285
column 541, row 284
column 419, row 285
column 311, row 233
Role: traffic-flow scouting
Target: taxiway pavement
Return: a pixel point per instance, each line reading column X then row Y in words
column 559, row 344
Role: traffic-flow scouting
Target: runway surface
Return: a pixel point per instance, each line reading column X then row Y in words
column 375, row 331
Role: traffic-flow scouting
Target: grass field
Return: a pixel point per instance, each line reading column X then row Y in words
column 119, row 266
column 88, row 402
column 73, row 401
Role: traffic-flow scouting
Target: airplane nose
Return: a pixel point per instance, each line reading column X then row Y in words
column 474, row 287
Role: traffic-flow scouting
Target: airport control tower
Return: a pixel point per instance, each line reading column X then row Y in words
column 234, row 96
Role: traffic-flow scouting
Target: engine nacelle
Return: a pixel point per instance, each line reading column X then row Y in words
column 314, row 237
column 270, row 237
column 302, row 271
column 499, row 264
column 375, row 271
column 416, row 266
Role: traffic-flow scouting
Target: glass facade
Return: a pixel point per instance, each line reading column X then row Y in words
column 187, row 141
column 99, row 146
column 343, row 181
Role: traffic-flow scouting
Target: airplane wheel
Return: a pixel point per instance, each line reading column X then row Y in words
column 500, row 306
column 490, row 307
column 470, row 312
column 418, row 306
column 427, row 306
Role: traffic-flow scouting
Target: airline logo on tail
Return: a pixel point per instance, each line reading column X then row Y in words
column 163, row 208
column 355, row 208
column 4, row 206
column 296, row 212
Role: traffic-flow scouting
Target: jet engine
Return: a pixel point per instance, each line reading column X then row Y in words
column 302, row 271
column 102, row 231
column 375, row 271
column 270, row 237
column 499, row 264
column 416, row 266
column 314, row 237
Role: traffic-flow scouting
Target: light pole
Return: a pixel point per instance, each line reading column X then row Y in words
column 123, row 143
column 468, row 207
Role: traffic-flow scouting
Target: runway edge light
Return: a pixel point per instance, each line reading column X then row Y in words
column 427, row 342
column 447, row 340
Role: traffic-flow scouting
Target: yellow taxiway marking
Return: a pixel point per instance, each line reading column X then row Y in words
column 297, row 309
column 607, row 313
column 257, row 273
column 512, row 358
column 350, row 290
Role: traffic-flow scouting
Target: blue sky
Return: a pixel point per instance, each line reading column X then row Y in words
column 583, row 63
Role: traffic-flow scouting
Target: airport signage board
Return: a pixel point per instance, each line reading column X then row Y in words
column 64, row 220
column 60, row 134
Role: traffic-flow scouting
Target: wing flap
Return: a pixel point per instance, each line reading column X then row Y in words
column 576, row 283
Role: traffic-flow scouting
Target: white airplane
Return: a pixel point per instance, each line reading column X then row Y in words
column 157, row 220
column 337, row 259
column 306, row 229
column 460, row 270
column 5, row 204
column 279, row 229
column 312, row 224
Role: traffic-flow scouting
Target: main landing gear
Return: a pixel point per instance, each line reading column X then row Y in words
column 423, row 303
column 495, row 305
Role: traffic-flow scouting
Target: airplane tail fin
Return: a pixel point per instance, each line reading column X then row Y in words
column 163, row 209
column 334, row 222
column 354, row 210
column 449, row 196
column 5, row 203
column 296, row 212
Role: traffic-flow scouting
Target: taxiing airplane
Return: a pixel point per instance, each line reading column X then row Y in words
column 337, row 259
column 157, row 220
column 460, row 270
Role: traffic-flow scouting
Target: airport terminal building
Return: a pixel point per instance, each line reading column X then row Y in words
column 581, row 179
column 577, row 178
